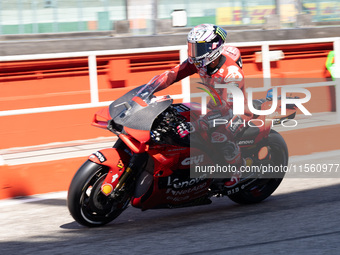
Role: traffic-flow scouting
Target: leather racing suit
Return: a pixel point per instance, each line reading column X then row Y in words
column 228, row 71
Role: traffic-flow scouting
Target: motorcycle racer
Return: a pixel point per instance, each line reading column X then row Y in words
column 216, row 63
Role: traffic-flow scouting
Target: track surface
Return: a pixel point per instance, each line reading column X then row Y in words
column 302, row 217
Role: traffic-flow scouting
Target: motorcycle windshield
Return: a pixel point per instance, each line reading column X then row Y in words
column 147, row 91
column 136, row 109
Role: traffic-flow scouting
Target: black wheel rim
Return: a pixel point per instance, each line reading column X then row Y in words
column 96, row 208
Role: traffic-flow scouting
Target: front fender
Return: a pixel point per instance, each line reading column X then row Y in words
column 116, row 160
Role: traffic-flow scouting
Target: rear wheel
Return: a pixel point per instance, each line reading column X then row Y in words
column 87, row 204
column 259, row 189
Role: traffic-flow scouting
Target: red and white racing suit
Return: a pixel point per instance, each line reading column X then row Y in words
column 228, row 71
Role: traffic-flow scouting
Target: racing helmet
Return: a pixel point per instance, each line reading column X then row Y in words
column 205, row 44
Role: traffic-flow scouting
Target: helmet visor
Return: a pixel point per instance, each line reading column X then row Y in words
column 197, row 50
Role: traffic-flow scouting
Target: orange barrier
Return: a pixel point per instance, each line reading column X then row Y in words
column 310, row 140
column 52, row 176
column 37, row 178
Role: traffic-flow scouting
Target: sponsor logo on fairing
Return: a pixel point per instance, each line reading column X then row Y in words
column 176, row 183
column 193, row 160
column 100, row 156
column 233, row 191
column 246, row 142
column 191, row 190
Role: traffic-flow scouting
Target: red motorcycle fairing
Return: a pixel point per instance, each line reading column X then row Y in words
column 171, row 182
column 172, row 191
column 116, row 160
column 258, row 130
column 101, row 118
column 261, row 125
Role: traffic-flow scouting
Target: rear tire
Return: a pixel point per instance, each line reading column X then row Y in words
column 263, row 188
column 86, row 203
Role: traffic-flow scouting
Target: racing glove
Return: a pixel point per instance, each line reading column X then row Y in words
column 185, row 129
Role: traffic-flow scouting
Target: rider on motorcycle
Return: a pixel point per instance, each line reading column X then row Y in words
column 216, row 63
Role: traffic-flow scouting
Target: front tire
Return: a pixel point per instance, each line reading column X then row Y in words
column 262, row 187
column 86, row 203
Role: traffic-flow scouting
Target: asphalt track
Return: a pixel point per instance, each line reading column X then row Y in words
column 302, row 217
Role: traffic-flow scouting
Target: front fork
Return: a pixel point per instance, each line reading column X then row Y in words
column 115, row 184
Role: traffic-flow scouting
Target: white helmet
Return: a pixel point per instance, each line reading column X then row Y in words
column 205, row 44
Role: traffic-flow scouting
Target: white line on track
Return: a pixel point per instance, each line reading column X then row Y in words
column 34, row 198
column 313, row 156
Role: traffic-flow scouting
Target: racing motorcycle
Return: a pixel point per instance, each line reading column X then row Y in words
column 152, row 171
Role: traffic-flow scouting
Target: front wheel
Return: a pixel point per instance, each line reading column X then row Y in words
column 86, row 203
column 261, row 188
